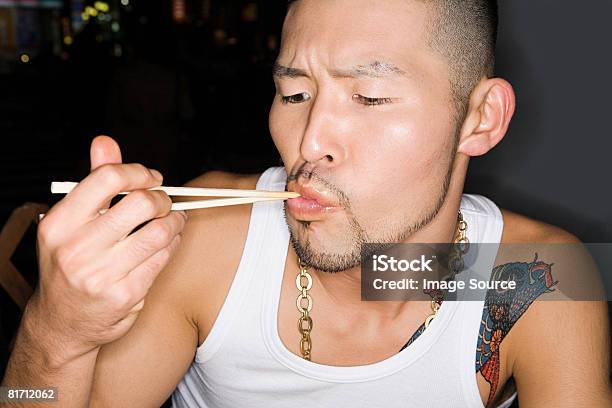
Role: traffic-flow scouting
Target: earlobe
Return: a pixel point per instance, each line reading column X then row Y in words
column 492, row 105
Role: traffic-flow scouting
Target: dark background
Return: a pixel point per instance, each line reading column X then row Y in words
column 189, row 93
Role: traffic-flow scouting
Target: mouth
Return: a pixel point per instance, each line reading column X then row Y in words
column 312, row 204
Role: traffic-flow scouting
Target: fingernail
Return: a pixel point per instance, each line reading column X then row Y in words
column 156, row 174
column 184, row 214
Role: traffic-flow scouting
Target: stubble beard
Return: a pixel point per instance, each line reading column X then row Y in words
column 357, row 236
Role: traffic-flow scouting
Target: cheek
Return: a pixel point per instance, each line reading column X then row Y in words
column 275, row 124
column 283, row 135
column 405, row 154
column 400, row 146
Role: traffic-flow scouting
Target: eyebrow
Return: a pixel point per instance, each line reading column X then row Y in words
column 282, row 71
column 374, row 69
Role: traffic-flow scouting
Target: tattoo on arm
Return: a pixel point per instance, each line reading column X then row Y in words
column 502, row 310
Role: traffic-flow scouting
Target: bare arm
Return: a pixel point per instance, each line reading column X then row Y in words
column 562, row 348
column 564, row 355
column 94, row 274
column 39, row 364
column 557, row 349
column 142, row 368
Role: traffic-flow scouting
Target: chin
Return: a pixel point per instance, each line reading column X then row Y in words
column 323, row 236
column 317, row 246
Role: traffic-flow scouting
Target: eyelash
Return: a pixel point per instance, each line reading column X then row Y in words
column 371, row 101
column 289, row 99
column 364, row 100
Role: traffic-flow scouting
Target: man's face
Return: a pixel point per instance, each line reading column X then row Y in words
column 364, row 121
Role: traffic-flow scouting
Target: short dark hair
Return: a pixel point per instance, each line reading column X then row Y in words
column 464, row 32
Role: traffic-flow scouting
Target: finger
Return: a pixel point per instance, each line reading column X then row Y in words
column 104, row 150
column 137, row 307
column 145, row 243
column 141, row 278
column 128, row 320
column 121, row 219
column 84, row 202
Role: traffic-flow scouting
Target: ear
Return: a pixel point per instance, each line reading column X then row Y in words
column 490, row 110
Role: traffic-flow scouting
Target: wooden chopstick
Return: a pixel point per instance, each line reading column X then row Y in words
column 64, row 187
column 194, row 205
column 221, row 202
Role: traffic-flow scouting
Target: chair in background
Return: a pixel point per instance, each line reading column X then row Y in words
column 11, row 235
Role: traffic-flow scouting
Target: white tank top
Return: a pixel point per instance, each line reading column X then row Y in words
column 243, row 362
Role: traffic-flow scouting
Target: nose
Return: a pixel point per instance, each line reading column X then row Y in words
column 324, row 139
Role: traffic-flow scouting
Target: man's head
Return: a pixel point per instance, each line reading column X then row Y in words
column 374, row 100
column 464, row 33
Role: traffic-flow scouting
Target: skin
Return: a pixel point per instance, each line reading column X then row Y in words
column 336, row 137
column 114, row 351
column 340, row 139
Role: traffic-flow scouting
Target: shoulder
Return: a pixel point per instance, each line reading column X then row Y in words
column 547, row 261
column 213, row 216
column 211, row 248
column 201, row 221
column 519, row 229
column 547, row 317
column 224, row 179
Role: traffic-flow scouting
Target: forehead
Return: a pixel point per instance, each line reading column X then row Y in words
column 337, row 33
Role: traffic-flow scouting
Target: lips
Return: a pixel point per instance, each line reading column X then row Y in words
column 312, row 203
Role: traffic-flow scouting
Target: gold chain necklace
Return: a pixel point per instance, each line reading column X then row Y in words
column 303, row 281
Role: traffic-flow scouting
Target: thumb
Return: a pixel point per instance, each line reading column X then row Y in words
column 104, row 150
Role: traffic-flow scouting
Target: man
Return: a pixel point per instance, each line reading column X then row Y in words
column 379, row 107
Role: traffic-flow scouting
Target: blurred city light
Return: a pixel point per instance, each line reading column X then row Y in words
column 102, row 6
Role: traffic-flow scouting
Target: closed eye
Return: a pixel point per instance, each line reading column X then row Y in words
column 364, row 100
column 297, row 98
